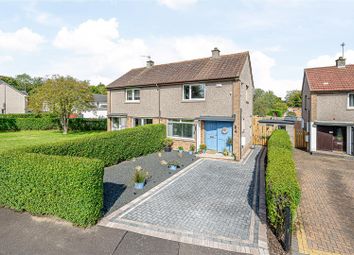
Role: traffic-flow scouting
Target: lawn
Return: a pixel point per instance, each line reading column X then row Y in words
column 13, row 140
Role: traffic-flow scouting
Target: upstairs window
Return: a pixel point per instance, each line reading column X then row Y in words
column 194, row 92
column 351, row 100
column 132, row 95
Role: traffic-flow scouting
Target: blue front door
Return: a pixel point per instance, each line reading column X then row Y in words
column 217, row 134
column 211, row 135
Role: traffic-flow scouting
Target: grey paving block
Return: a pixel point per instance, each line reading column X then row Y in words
column 135, row 244
column 188, row 249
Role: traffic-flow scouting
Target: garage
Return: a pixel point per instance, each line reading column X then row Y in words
column 331, row 138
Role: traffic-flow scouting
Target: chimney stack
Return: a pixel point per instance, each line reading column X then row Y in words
column 340, row 62
column 149, row 63
column 215, row 53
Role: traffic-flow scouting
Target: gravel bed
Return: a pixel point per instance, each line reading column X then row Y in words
column 118, row 179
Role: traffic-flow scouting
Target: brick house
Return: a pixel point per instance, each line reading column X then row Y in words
column 201, row 101
column 11, row 99
column 328, row 107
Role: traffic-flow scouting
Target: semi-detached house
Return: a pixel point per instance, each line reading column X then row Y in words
column 202, row 101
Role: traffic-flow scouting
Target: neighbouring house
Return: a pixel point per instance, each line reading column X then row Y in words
column 202, row 101
column 100, row 107
column 11, row 99
column 328, row 107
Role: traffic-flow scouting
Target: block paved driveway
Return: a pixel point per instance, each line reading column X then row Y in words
column 325, row 215
column 210, row 203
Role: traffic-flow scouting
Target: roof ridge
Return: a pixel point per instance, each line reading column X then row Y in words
column 190, row 60
column 324, row 67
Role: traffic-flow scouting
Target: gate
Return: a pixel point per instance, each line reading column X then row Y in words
column 300, row 138
column 261, row 133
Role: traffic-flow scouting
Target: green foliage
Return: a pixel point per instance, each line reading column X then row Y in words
column 111, row 147
column 202, row 147
column 192, row 147
column 80, row 124
column 62, row 96
column 99, row 89
column 140, row 175
column 67, row 187
column 180, row 148
column 168, row 142
column 23, row 82
column 291, row 114
column 282, row 187
column 16, row 124
column 27, row 115
column 266, row 103
column 293, row 98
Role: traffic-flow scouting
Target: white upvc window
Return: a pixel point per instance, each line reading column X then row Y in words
column 193, row 92
column 142, row 121
column 180, row 128
column 351, row 100
column 132, row 95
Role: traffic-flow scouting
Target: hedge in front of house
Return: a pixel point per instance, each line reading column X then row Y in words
column 111, row 147
column 68, row 187
column 16, row 124
column 282, row 187
column 27, row 115
column 80, row 124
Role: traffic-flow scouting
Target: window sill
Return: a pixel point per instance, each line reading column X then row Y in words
column 192, row 100
column 181, row 138
column 350, row 108
column 132, row 102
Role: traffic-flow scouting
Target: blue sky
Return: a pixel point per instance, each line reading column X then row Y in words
column 100, row 40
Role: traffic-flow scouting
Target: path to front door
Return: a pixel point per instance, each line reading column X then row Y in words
column 217, row 134
column 209, row 203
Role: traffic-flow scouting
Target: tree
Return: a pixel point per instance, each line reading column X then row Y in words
column 62, row 96
column 9, row 80
column 99, row 89
column 23, row 82
column 267, row 103
column 293, row 98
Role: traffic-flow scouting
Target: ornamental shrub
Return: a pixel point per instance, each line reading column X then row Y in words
column 68, row 187
column 8, row 124
column 111, row 147
column 45, row 123
column 282, row 187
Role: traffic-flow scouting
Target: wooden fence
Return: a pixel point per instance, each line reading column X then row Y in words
column 261, row 133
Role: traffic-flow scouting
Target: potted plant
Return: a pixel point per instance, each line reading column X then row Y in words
column 168, row 142
column 225, row 152
column 191, row 149
column 173, row 165
column 202, row 148
column 229, row 143
column 180, row 149
column 140, row 177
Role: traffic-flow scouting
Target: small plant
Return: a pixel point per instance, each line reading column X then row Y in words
column 225, row 152
column 168, row 142
column 202, row 148
column 140, row 175
column 192, row 147
column 180, row 149
column 173, row 163
column 229, row 141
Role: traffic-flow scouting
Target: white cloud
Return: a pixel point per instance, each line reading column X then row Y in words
column 98, row 53
column 327, row 60
column 178, row 4
column 23, row 39
column 6, row 59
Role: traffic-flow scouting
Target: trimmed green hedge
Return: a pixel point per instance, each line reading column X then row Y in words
column 67, row 187
column 80, row 124
column 282, row 187
column 111, row 147
column 26, row 115
column 50, row 123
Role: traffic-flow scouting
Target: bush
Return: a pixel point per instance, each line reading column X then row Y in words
column 26, row 115
column 80, row 124
column 111, row 147
column 16, row 124
column 67, row 187
column 282, row 187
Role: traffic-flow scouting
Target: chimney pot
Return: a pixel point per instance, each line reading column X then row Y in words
column 215, row 53
column 340, row 62
column 149, row 63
